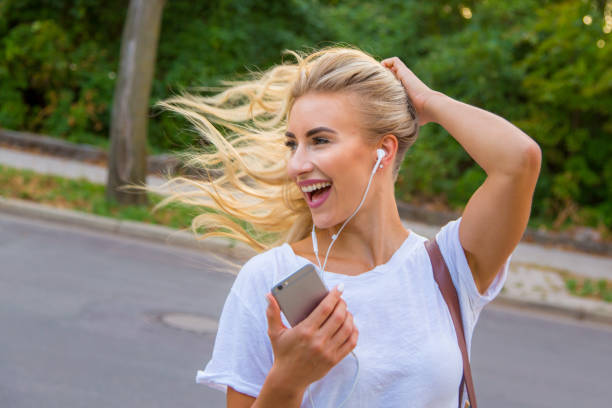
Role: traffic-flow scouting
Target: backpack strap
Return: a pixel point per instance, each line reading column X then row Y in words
column 449, row 293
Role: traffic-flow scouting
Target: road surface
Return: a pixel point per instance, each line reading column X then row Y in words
column 96, row 320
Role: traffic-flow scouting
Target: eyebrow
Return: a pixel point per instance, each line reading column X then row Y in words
column 313, row 131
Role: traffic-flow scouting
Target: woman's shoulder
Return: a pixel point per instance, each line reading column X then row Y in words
column 263, row 268
column 446, row 231
column 264, row 260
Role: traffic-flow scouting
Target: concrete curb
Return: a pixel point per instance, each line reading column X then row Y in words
column 237, row 250
column 132, row 229
column 82, row 152
column 555, row 309
column 52, row 145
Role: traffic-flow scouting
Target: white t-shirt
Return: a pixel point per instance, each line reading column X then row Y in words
column 407, row 347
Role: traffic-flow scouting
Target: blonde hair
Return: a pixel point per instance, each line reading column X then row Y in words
column 244, row 125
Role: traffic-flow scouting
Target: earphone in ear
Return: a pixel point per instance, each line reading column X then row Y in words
column 380, row 153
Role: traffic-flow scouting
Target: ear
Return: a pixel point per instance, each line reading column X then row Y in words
column 389, row 144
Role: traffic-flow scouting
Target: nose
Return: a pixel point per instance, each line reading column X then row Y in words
column 299, row 163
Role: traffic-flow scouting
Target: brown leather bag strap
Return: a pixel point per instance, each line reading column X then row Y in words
column 449, row 293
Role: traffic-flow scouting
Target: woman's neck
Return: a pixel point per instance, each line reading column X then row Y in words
column 370, row 238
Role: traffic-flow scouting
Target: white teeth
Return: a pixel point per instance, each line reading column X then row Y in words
column 314, row 187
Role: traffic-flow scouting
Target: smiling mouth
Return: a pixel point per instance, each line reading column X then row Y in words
column 313, row 195
column 316, row 195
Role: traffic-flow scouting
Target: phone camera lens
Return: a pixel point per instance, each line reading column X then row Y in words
column 279, row 287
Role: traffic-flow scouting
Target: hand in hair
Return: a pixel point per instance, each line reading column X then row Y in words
column 418, row 92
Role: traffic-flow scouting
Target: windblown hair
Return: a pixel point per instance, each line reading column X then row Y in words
column 244, row 125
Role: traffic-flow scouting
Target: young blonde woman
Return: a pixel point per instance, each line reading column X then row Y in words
column 301, row 152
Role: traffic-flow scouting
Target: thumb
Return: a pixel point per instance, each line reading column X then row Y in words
column 275, row 324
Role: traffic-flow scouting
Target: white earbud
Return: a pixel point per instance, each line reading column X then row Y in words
column 380, row 153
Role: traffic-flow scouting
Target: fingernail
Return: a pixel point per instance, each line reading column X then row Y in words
column 340, row 287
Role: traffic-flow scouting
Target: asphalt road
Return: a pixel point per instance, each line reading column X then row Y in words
column 82, row 325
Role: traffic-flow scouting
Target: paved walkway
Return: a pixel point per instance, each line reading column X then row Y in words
column 536, row 273
column 59, row 166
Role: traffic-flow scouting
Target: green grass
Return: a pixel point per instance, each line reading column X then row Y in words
column 82, row 195
column 85, row 196
column 585, row 287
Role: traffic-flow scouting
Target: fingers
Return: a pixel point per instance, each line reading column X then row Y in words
column 344, row 331
column 349, row 344
column 335, row 320
column 323, row 310
column 275, row 324
column 392, row 63
column 389, row 61
column 399, row 69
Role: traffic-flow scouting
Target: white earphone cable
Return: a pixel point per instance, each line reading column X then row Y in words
column 315, row 247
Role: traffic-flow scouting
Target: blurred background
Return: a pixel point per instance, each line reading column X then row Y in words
column 544, row 65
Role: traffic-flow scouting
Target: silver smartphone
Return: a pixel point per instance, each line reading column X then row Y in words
column 299, row 293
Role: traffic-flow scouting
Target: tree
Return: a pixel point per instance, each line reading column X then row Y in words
column 128, row 156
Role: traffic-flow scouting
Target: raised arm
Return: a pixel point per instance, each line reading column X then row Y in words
column 496, row 215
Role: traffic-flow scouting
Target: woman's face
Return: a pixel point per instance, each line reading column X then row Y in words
column 329, row 155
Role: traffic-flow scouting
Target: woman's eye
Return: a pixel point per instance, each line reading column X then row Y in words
column 315, row 140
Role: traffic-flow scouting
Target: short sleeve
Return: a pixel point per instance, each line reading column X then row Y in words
column 471, row 301
column 242, row 354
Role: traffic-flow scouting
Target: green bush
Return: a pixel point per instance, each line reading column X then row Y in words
column 56, row 71
column 544, row 65
column 58, row 66
column 539, row 65
column 571, row 284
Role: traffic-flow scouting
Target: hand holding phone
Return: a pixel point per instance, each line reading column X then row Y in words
column 299, row 293
column 311, row 347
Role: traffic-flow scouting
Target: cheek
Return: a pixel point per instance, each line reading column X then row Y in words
column 345, row 164
column 331, row 162
column 350, row 177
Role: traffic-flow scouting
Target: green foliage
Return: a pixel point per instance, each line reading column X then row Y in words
column 85, row 196
column 476, row 65
column 586, row 287
column 55, row 67
column 539, row 65
column 568, row 82
column 602, row 285
column 571, row 284
column 59, row 59
column 201, row 44
column 82, row 195
column 544, row 65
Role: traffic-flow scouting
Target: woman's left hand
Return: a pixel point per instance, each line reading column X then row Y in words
column 418, row 92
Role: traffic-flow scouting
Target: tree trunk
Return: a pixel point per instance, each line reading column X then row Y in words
column 127, row 162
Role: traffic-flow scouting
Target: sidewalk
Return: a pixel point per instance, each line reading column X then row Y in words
column 536, row 272
column 57, row 166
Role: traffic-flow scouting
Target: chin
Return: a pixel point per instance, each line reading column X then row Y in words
column 322, row 222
